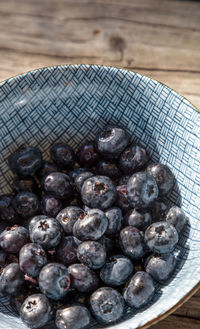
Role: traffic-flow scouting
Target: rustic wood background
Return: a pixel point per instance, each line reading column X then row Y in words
column 159, row 38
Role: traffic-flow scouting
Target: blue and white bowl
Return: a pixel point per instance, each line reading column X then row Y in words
column 70, row 103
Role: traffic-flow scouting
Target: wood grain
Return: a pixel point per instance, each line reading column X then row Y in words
column 158, row 38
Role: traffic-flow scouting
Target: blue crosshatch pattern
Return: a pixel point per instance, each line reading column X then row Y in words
column 71, row 103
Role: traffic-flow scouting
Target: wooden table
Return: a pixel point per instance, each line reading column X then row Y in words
column 159, row 38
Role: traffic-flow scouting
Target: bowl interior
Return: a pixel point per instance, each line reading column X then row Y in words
column 71, row 103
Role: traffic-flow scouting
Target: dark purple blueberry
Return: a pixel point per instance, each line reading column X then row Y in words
column 26, row 204
column 160, row 267
column 63, row 155
column 11, row 279
column 12, row 239
column 75, row 172
column 109, row 245
column 133, row 159
column 92, row 254
column 158, row 210
column 81, row 178
column 7, row 211
column 107, row 305
column 3, row 256
column 68, row 216
column 47, row 232
column 98, row 192
column 54, row 280
column 112, row 141
column 72, row 317
column 115, row 218
column 36, row 311
column 32, row 258
column 124, row 180
column 140, row 290
column 142, row 190
column 22, row 184
column 108, row 168
column 66, row 251
column 92, row 226
column 50, row 205
column 140, row 219
column 177, row 218
column 87, row 155
column 122, row 199
column 116, row 271
column 83, row 278
column 161, row 237
column 132, row 243
column 46, row 168
column 58, row 184
column 25, row 161
column 163, row 176
column 32, row 221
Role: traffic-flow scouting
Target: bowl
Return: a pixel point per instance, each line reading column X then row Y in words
column 70, row 103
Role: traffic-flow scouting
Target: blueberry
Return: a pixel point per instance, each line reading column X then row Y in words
column 133, row 159
column 81, row 178
column 109, row 245
column 12, row 239
column 47, row 232
column 92, row 254
column 87, row 155
column 122, row 199
column 163, row 176
column 83, row 278
column 131, row 242
column 107, row 305
column 177, row 218
column 25, row 161
column 124, row 180
column 57, row 184
column 158, row 210
column 32, row 221
column 17, row 301
column 140, row 219
column 66, row 252
column 160, row 267
column 3, row 256
column 98, row 192
column 50, row 205
column 75, row 172
column 112, row 141
column 116, row 271
column 32, row 258
column 108, row 168
column 46, row 168
column 7, row 211
column 142, row 190
column 54, row 280
column 115, row 218
column 11, row 279
column 140, row 290
column 92, row 226
column 73, row 316
column 63, row 155
column 26, row 204
column 68, row 216
column 36, row 311
column 161, row 237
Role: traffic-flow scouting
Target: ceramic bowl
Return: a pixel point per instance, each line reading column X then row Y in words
column 71, row 103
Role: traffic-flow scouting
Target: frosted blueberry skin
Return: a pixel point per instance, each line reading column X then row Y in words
column 122, row 198
column 142, row 190
column 7, row 211
column 108, row 168
column 50, row 205
column 12, row 239
column 68, row 216
column 140, row 290
column 26, row 204
column 107, row 305
column 161, row 237
column 158, row 210
column 140, row 219
column 133, row 159
column 32, row 258
column 98, row 192
column 66, row 251
column 160, row 267
column 73, row 316
column 87, row 155
column 132, row 242
column 36, row 311
column 115, row 218
column 63, row 155
column 81, row 178
column 92, row 254
column 11, row 279
column 163, row 176
column 25, row 161
column 54, row 280
column 57, row 184
column 177, row 218
column 92, row 226
column 112, row 141
column 83, row 278
column 116, row 270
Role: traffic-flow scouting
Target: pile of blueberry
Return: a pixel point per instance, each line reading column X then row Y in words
column 88, row 232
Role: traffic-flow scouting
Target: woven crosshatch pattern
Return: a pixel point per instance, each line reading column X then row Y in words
column 71, row 103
